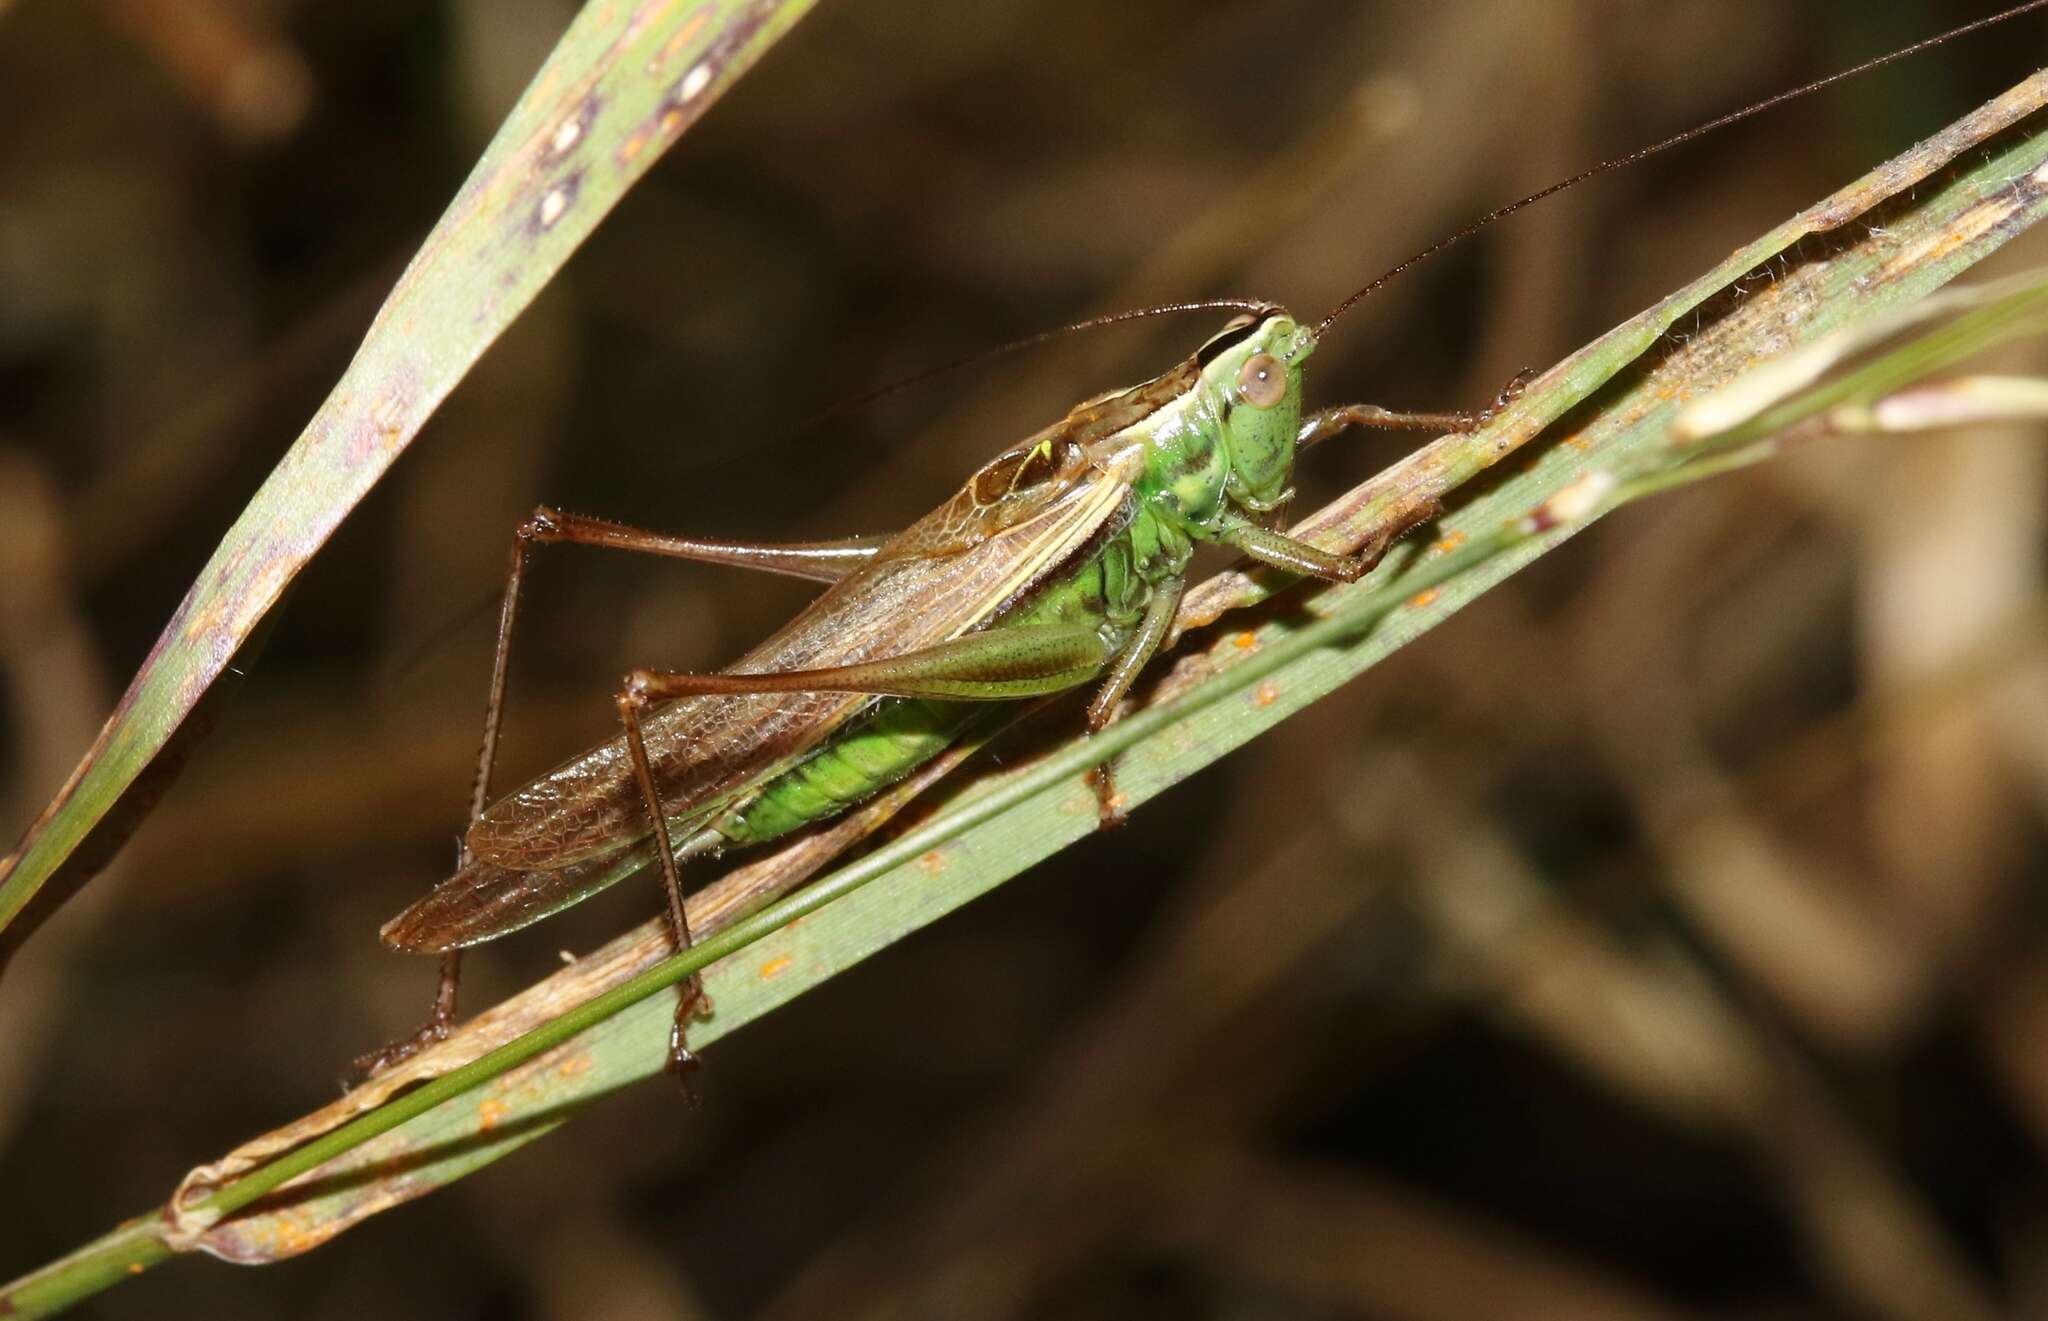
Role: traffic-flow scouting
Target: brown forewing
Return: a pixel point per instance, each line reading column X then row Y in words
column 1016, row 521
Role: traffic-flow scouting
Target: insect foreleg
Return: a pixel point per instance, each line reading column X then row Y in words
column 1325, row 423
column 1328, row 422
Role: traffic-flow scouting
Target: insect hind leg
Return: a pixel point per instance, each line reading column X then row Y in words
column 691, row 1002
column 822, row 561
column 989, row 666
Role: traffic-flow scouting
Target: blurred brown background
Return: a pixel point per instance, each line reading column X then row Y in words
column 1661, row 938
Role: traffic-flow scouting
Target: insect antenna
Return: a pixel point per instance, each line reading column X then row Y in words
column 1734, row 116
column 1250, row 305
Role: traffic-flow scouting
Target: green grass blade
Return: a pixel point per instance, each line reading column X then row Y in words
column 623, row 83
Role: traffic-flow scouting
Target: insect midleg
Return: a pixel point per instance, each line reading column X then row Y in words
column 1144, row 644
column 822, row 561
column 1123, row 672
column 1284, row 552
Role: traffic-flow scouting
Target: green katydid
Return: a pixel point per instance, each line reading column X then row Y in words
column 1058, row 564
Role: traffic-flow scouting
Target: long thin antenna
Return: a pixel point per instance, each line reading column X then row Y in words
column 1668, row 143
column 1251, row 305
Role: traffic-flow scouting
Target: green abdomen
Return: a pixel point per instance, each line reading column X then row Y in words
column 881, row 749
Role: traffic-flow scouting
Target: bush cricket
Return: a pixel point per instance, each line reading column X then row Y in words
column 1058, row 564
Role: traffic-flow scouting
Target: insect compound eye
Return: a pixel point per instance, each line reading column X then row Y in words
column 1262, row 381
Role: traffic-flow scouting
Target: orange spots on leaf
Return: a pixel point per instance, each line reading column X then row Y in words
column 490, row 1113
column 776, row 966
column 1265, row 695
column 648, row 11
column 1424, row 598
column 1245, row 641
column 932, row 863
column 684, row 35
column 293, row 1233
column 201, row 623
column 1958, row 234
column 1445, row 545
column 579, row 1063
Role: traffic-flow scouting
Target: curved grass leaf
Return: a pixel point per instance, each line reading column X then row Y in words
column 1609, row 409
column 622, row 84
